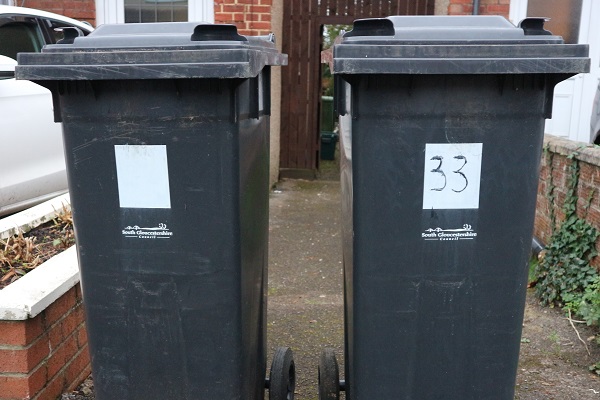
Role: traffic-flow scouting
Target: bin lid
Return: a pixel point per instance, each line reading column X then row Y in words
column 152, row 51
column 455, row 45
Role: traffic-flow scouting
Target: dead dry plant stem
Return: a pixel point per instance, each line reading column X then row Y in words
column 578, row 335
column 23, row 252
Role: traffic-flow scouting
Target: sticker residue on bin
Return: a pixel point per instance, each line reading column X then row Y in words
column 143, row 176
column 452, row 176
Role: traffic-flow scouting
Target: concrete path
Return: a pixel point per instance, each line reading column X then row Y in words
column 305, row 308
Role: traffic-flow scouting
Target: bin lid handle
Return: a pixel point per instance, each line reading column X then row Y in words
column 372, row 27
column 534, row 26
column 210, row 32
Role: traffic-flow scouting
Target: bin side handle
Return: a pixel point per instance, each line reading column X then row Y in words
column 253, row 101
column 551, row 81
column 339, row 96
column 53, row 87
column 267, row 90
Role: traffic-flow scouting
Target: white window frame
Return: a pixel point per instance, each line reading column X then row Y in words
column 113, row 11
column 583, row 86
column 518, row 10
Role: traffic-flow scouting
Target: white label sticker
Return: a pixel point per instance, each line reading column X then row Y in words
column 143, row 176
column 464, row 233
column 157, row 232
column 452, row 175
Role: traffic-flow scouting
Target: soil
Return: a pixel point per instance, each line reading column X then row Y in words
column 553, row 363
column 24, row 252
column 305, row 309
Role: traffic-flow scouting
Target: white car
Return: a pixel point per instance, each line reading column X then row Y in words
column 32, row 165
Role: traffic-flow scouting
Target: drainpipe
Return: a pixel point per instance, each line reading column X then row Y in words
column 476, row 7
column 536, row 246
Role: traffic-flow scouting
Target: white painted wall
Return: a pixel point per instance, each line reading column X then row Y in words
column 113, row 11
column 574, row 97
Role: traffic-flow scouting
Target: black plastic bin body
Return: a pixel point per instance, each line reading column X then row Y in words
column 441, row 130
column 166, row 131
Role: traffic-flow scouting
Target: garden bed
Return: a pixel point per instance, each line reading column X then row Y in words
column 43, row 341
column 31, row 238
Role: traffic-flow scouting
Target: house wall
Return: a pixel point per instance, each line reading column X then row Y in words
column 555, row 176
column 47, row 355
column 252, row 17
column 83, row 10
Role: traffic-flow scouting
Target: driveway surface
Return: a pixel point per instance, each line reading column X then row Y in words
column 305, row 309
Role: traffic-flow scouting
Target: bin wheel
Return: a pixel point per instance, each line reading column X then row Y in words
column 282, row 378
column 329, row 376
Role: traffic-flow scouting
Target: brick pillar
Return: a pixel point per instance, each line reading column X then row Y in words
column 252, row 17
column 486, row 7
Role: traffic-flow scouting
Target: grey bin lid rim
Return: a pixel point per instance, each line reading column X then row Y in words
column 153, row 51
column 455, row 45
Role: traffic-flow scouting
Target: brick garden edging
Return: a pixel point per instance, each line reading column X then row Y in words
column 589, row 180
column 43, row 341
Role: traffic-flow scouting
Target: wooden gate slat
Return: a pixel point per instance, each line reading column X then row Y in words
column 284, row 143
column 351, row 10
column 315, row 95
column 296, row 128
column 386, row 8
column 301, row 78
column 412, row 7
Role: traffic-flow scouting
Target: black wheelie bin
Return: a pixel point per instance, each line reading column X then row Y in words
column 166, row 135
column 441, row 129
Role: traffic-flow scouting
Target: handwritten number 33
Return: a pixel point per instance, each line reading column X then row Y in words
column 439, row 170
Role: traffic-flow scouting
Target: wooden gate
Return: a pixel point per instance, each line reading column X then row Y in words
column 303, row 22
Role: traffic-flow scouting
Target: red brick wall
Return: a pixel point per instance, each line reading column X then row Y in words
column 46, row 355
column 589, row 180
column 486, row 7
column 83, row 10
column 252, row 17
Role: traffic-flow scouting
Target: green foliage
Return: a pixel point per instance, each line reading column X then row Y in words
column 532, row 277
column 330, row 33
column 595, row 368
column 565, row 276
column 589, row 307
column 326, row 81
column 565, row 273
